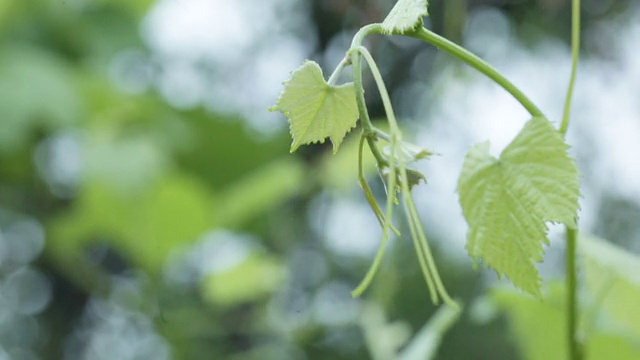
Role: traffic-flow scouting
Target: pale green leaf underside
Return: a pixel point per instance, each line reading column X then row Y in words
column 508, row 201
column 317, row 110
column 613, row 272
column 405, row 15
column 547, row 321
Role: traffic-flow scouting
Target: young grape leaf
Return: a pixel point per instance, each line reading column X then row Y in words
column 317, row 110
column 508, row 201
column 406, row 15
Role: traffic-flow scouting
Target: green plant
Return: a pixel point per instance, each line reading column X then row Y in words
column 507, row 200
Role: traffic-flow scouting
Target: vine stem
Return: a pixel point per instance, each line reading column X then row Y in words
column 571, row 234
column 336, row 73
column 575, row 347
column 425, row 258
column 368, row 194
column 575, row 52
column 367, row 127
column 386, row 226
column 382, row 219
column 477, row 63
column 369, row 133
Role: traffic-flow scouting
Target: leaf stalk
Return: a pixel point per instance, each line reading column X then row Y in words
column 425, row 259
column 478, row 64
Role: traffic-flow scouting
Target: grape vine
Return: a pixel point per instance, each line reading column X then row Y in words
column 507, row 200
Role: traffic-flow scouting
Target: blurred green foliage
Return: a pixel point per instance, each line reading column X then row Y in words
column 153, row 179
column 139, row 202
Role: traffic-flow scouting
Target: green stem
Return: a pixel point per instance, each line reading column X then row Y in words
column 420, row 252
column 425, row 258
column 356, row 61
column 575, row 345
column 386, row 226
column 575, row 348
column 365, row 31
column 368, row 194
column 370, row 134
column 421, row 241
column 396, row 137
column 357, row 74
column 479, row 64
column 382, row 89
column 425, row 343
column 382, row 135
column 336, row 72
column 575, row 52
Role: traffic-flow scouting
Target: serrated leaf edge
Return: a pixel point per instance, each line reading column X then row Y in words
column 492, row 161
column 394, row 28
column 295, row 144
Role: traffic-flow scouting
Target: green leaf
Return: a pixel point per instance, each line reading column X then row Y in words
column 254, row 278
column 508, row 201
column 613, row 272
column 261, row 190
column 143, row 226
column 539, row 328
column 426, row 342
column 609, row 346
column 383, row 338
column 406, row 15
column 317, row 110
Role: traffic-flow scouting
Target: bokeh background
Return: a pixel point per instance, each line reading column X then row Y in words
column 150, row 208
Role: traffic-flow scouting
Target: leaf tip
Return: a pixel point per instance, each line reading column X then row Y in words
column 293, row 148
column 536, row 291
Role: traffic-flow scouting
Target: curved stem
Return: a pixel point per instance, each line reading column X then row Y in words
column 336, row 72
column 382, row 89
column 365, row 31
column 575, row 52
column 391, row 198
column 424, row 253
column 356, row 61
column 357, row 74
column 425, row 258
column 382, row 135
column 479, row 64
column 370, row 135
column 368, row 194
column 359, row 89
